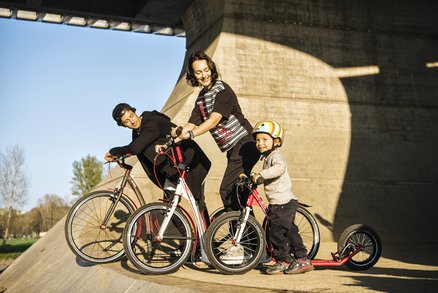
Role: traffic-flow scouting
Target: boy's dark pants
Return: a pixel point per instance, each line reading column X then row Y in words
column 283, row 233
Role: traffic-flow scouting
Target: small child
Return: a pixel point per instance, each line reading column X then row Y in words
column 283, row 204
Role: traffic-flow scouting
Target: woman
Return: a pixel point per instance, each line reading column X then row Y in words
column 217, row 110
column 149, row 129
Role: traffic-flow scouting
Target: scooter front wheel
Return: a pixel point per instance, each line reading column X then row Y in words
column 229, row 256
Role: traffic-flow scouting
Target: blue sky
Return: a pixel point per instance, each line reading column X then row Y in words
column 59, row 84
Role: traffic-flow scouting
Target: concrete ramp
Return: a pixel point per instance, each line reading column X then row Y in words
column 50, row 266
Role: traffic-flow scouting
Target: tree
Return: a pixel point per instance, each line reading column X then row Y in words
column 14, row 183
column 86, row 175
column 51, row 209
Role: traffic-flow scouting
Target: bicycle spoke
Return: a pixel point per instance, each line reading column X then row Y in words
column 146, row 251
column 87, row 237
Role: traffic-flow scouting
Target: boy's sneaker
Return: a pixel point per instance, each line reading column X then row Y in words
column 233, row 255
column 278, row 268
column 299, row 266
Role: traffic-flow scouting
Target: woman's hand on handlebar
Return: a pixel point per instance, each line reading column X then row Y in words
column 179, row 133
column 173, row 138
column 175, row 131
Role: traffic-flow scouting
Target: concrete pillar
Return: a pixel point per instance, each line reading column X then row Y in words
column 354, row 85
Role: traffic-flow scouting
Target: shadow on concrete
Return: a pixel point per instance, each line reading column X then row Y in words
column 394, row 280
column 124, row 263
column 83, row 263
column 399, row 280
column 391, row 180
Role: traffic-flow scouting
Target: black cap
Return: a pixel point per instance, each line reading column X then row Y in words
column 119, row 110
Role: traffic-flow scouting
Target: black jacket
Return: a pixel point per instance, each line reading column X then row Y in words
column 153, row 130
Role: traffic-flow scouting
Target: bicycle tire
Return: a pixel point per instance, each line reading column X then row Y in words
column 307, row 228
column 215, row 214
column 86, row 236
column 364, row 236
column 219, row 237
column 309, row 231
column 147, row 254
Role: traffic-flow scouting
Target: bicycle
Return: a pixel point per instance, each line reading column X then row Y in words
column 159, row 237
column 94, row 224
column 359, row 246
column 240, row 233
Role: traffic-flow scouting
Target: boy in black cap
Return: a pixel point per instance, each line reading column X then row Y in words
column 150, row 129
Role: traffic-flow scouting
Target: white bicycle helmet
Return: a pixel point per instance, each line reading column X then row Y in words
column 270, row 127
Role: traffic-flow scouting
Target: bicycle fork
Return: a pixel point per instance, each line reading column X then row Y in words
column 112, row 208
column 241, row 226
column 167, row 218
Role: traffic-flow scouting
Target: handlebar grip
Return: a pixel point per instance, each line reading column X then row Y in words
column 179, row 130
column 260, row 180
column 118, row 158
column 242, row 176
column 169, row 141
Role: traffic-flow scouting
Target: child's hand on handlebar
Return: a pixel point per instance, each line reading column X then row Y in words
column 257, row 178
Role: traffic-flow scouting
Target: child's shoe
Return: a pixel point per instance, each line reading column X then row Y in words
column 299, row 266
column 278, row 268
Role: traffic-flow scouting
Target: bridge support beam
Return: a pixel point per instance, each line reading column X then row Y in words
column 351, row 85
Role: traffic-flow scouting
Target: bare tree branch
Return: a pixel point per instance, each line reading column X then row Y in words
column 14, row 181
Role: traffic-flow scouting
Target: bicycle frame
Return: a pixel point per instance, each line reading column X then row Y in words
column 339, row 261
column 255, row 199
column 94, row 224
column 183, row 191
column 126, row 180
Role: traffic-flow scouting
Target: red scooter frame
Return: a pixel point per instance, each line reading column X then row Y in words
column 359, row 246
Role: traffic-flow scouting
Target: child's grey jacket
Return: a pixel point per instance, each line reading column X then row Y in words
column 278, row 186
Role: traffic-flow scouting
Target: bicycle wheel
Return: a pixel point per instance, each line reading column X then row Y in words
column 309, row 231
column 152, row 256
column 215, row 214
column 228, row 256
column 362, row 236
column 307, row 228
column 85, row 233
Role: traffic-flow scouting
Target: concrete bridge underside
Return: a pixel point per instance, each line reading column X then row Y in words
column 354, row 83
column 355, row 86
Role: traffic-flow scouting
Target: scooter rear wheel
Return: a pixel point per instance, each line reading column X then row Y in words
column 356, row 236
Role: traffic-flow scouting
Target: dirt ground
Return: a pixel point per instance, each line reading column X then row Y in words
column 4, row 263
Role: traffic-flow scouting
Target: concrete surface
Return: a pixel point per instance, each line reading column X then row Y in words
column 49, row 266
column 352, row 84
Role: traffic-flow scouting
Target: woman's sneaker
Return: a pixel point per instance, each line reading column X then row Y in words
column 278, row 268
column 299, row 266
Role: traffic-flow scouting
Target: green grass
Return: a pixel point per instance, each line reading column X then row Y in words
column 13, row 248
